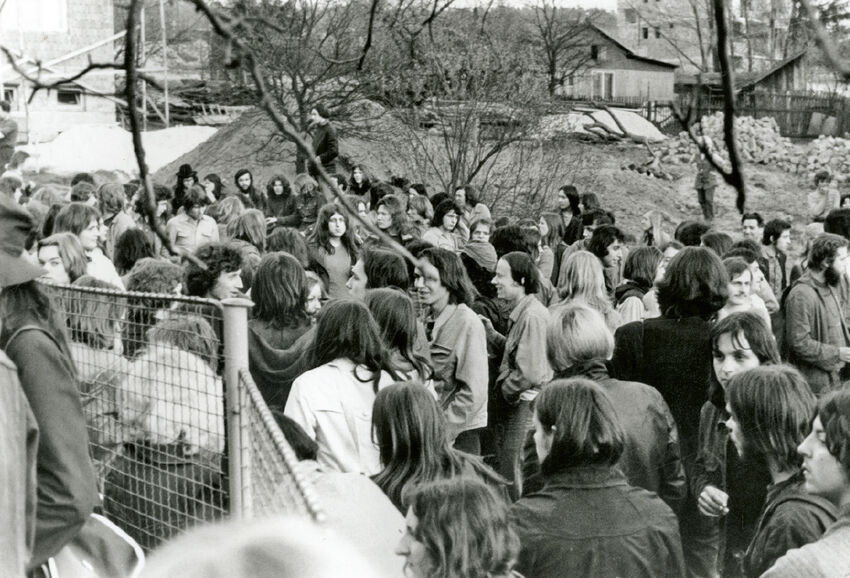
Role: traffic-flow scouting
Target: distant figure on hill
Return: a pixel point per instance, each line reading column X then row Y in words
column 324, row 141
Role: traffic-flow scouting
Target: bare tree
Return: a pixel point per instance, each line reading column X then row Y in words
column 563, row 41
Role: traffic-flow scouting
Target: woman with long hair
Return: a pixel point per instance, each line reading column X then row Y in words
column 421, row 213
column 33, row 336
column 333, row 401
column 358, row 183
column 410, row 429
column 524, row 368
column 391, row 219
column 396, row 318
column 133, row 244
column 332, row 249
column 553, row 239
column 458, row 345
column 224, row 212
column 278, row 329
column 282, row 204
column 585, row 282
column 443, row 226
column 213, row 186
column 85, row 222
column 587, row 520
column 457, row 528
column 62, row 257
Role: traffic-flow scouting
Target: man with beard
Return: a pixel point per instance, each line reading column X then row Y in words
column 816, row 316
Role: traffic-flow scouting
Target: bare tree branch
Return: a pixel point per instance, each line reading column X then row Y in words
column 830, row 51
column 373, row 9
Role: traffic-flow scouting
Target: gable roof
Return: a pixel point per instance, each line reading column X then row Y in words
column 776, row 68
column 742, row 79
column 630, row 54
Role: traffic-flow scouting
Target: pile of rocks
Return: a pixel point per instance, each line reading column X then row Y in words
column 758, row 140
column 826, row 152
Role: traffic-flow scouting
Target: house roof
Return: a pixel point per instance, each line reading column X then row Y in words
column 628, row 52
column 742, row 79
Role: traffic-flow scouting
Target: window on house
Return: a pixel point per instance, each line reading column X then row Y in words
column 69, row 95
column 10, row 95
column 657, row 32
column 645, row 32
column 603, row 85
column 594, row 52
column 631, row 15
column 671, row 26
column 571, row 80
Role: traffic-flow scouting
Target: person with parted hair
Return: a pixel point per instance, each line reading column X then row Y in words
column 457, row 528
column 770, row 410
column 588, row 520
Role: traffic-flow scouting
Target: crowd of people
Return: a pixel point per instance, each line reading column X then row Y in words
column 544, row 396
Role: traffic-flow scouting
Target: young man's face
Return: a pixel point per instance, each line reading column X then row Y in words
column 614, row 254
column 481, row 234
column 357, row 282
column 783, row 242
column 823, row 473
column 52, row 263
column 90, row 235
column 229, row 285
column 244, row 181
column 750, row 230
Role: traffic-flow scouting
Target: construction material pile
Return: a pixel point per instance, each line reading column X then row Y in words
column 758, row 141
column 826, row 152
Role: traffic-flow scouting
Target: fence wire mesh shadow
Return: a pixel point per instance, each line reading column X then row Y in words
column 151, row 377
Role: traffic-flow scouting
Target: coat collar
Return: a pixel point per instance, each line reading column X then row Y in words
column 602, row 476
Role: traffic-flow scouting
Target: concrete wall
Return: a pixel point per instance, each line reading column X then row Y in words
column 46, row 30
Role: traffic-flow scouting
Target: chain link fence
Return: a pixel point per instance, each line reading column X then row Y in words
column 178, row 434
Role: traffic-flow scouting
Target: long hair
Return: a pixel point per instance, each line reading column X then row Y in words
column 556, row 229
column 400, row 223
column 26, row 304
column 346, row 329
column 226, row 210
column 250, row 227
column 695, row 284
column 396, row 318
column 774, row 408
column 576, row 334
column 132, row 245
column 410, row 429
column 465, row 529
column 584, row 424
column 70, row 251
column 279, row 291
column 585, row 281
column 453, row 275
column 287, row 188
column 74, row 218
column 291, row 241
column 321, row 236
column 92, row 317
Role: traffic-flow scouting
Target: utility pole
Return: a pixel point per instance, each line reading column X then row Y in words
column 164, row 60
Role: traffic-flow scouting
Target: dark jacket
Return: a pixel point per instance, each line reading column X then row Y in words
column 651, row 459
column 284, row 208
column 628, row 289
column 67, row 487
column 326, row 147
column 276, row 357
column 816, row 321
column 673, row 355
column 791, row 518
column 588, row 521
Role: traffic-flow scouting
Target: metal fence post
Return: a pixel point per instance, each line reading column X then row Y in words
column 236, row 358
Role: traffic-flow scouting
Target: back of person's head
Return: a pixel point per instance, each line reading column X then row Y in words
column 82, row 178
column 50, row 195
column 464, row 527
column 132, row 245
column 75, row 218
column 823, row 176
column 582, row 423
column 695, row 284
column 111, row 198
column 717, row 241
column 422, row 207
column 385, row 269
column 641, row 265
column 508, row 239
column 523, row 271
column 346, row 329
column 689, row 233
column 289, row 240
column 590, row 201
column 250, row 227
column 741, row 252
column 93, row 317
column 217, row 258
column 774, row 229
column 556, row 229
column 577, row 334
column 395, row 315
column 226, row 210
column 837, row 222
column 602, row 238
column 453, row 275
column 834, row 414
column 530, row 238
column 824, row 249
column 279, row 291
column 154, row 276
column 774, row 407
column 583, row 278
column 283, row 547
column 187, row 332
column 303, row 445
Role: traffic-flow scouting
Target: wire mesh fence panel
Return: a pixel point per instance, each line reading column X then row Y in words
column 272, row 483
column 150, row 376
